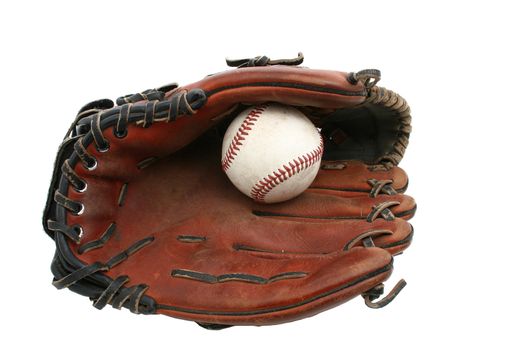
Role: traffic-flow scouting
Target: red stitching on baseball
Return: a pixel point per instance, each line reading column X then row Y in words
column 243, row 131
column 264, row 186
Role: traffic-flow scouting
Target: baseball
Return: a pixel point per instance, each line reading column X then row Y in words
column 271, row 152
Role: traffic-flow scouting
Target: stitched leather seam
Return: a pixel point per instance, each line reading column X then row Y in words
column 261, row 189
column 242, row 132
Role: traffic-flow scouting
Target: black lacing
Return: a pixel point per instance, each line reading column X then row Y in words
column 133, row 295
column 107, row 295
column 71, row 205
column 120, row 129
column 115, row 292
column 88, row 161
column 371, row 295
column 72, row 232
column 147, row 95
column 97, row 243
column 366, row 236
column 101, row 143
column 79, row 274
column 369, row 77
column 381, row 186
column 382, row 209
column 149, row 115
column 183, row 103
column 174, row 107
column 72, row 177
column 259, row 61
column 102, row 115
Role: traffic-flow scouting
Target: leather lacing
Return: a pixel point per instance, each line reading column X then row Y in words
column 260, row 61
column 182, row 103
column 114, row 292
column 186, row 103
column 392, row 101
column 389, row 100
column 152, row 111
column 380, row 210
column 369, row 77
column 376, row 95
column 383, row 210
column 371, row 295
column 381, row 186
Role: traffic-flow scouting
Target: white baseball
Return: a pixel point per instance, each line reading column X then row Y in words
column 271, row 152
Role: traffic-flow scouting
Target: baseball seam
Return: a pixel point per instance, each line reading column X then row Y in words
column 261, row 189
column 241, row 134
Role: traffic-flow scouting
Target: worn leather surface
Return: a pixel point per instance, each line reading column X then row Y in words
column 186, row 194
column 305, row 255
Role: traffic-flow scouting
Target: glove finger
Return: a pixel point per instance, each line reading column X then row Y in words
column 315, row 206
column 305, row 237
column 354, row 178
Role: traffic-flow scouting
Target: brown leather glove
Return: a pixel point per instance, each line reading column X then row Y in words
column 143, row 216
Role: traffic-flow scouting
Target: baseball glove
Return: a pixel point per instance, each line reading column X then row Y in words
column 144, row 218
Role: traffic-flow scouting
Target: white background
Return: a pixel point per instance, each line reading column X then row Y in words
column 459, row 65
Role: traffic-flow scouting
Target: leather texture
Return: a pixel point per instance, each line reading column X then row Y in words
column 161, row 229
